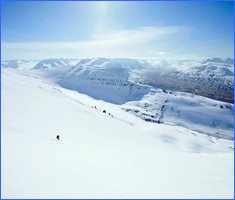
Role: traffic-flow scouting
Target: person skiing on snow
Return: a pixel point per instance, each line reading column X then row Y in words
column 58, row 137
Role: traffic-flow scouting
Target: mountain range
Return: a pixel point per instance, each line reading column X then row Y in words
column 121, row 136
column 211, row 78
column 150, row 91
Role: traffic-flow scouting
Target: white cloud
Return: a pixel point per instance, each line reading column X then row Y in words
column 113, row 44
column 137, row 36
column 159, row 53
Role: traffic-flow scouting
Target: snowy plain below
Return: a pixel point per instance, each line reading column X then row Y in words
column 100, row 156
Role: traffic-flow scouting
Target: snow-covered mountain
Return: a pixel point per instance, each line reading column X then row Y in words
column 215, row 67
column 211, row 78
column 19, row 64
column 54, row 62
column 116, row 81
column 187, row 110
column 105, row 79
column 111, row 154
column 39, row 64
column 212, row 68
column 110, row 80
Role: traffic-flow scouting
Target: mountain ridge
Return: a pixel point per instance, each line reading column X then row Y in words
column 211, row 78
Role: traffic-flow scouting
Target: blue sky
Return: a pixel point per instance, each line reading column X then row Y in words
column 183, row 30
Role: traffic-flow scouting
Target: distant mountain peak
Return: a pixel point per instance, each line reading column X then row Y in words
column 219, row 60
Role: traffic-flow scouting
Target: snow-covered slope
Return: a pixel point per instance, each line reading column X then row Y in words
column 211, row 78
column 101, row 155
column 104, row 79
column 38, row 64
column 187, row 110
column 53, row 63
column 109, row 80
column 127, row 63
column 212, row 68
column 19, row 64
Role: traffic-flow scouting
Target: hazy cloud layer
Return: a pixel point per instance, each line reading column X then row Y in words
column 122, row 43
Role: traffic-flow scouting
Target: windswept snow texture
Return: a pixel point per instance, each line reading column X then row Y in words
column 104, row 155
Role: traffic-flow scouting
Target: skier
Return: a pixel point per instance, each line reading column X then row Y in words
column 58, row 137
